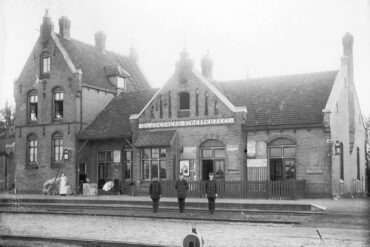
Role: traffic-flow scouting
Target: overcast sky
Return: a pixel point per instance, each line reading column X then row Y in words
column 256, row 38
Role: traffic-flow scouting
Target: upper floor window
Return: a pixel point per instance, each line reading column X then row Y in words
column 45, row 65
column 121, row 82
column 32, row 106
column 184, row 104
column 57, row 147
column 32, row 149
column 58, row 104
column 206, row 104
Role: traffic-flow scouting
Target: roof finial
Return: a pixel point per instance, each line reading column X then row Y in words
column 46, row 13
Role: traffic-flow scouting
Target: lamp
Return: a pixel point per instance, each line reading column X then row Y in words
column 181, row 149
column 337, row 148
column 65, row 154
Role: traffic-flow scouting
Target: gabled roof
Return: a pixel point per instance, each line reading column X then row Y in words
column 113, row 120
column 92, row 62
column 281, row 100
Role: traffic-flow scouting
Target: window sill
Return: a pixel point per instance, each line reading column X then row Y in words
column 55, row 165
column 32, row 166
column 183, row 113
column 44, row 75
column 32, row 122
column 58, row 120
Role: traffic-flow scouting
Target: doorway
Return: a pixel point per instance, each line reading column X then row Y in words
column 207, row 168
column 276, row 169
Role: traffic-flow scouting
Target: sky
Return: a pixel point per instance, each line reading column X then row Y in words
column 250, row 38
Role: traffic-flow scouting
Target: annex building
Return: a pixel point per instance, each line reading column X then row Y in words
column 302, row 132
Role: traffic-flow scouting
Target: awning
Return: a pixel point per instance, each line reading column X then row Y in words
column 155, row 138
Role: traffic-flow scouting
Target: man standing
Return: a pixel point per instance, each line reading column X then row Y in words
column 211, row 192
column 182, row 188
column 155, row 192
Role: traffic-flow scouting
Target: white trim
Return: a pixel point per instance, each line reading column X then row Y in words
column 337, row 87
column 64, row 53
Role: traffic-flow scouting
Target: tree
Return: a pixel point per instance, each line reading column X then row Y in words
column 7, row 127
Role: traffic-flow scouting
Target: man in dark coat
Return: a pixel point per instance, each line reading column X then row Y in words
column 211, row 192
column 155, row 192
column 182, row 188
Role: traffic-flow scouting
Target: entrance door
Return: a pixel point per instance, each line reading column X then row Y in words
column 207, row 168
column 276, row 169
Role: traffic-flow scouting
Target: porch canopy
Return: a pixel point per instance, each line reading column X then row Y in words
column 156, row 138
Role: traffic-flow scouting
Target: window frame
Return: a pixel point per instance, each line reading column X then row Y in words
column 32, row 138
column 57, row 91
column 128, row 162
column 31, row 94
column 118, row 78
column 150, row 159
column 284, row 159
column 45, row 57
column 57, row 136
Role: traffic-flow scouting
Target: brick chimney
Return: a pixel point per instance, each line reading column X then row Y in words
column 347, row 42
column 47, row 26
column 64, row 27
column 100, row 38
column 184, row 66
column 207, row 66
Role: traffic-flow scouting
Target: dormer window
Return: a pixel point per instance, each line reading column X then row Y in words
column 45, row 65
column 121, row 83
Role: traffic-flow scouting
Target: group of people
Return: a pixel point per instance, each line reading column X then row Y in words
column 182, row 187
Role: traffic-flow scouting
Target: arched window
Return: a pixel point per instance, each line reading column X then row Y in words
column 44, row 65
column 184, row 104
column 282, row 153
column 197, row 102
column 169, row 104
column 32, row 106
column 160, row 106
column 57, row 147
column 213, row 159
column 341, row 162
column 206, row 104
column 32, row 149
column 58, row 99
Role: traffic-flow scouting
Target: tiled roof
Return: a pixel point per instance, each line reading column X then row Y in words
column 92, row 62
column 158, row 138
column 280, row 100
column 113, row 120
column 6, row 141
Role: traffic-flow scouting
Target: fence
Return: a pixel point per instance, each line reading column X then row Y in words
column 279, row 189
column 358, row 187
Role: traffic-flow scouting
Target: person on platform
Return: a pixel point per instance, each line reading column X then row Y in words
column 63, row 185
column 211, row 193
column 182, row 188
column 155, row 192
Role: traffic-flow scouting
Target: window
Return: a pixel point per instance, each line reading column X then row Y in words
column 206, row 104
column 32, row 149
column 197, row 103
column 32, row 106
column 160, row 106
column 184, row 101
column 341, row 162
column 44, row 65
column 282, row 153
column 213, row 159
column 169, row 104
column 58, row 104
column 57, row 146
column 358, row 163
column 121, row 82
column 128, row 164
column 153, row 163
column 104, row 168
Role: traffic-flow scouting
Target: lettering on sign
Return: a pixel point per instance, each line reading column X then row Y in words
column 256, row 162
column 186, row 123
column 232, row 148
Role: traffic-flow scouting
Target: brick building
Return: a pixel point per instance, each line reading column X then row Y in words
column 63, row 86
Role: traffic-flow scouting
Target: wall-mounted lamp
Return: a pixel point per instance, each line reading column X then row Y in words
column 66, row 154
column 181, row 150
column 337, row 148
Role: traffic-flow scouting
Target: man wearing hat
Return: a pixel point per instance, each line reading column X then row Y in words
column 182, row 188
column 211, row 193
column 155, row 192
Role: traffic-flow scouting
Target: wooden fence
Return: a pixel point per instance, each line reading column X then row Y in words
column 290, row 189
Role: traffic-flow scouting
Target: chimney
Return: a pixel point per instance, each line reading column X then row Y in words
column 100, row 41
column 133, row 55
column 46, row 27
column 64, row 27
column 207, row 66
column 184, row 66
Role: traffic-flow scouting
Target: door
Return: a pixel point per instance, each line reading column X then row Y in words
column 276, row 169
column 207, row 168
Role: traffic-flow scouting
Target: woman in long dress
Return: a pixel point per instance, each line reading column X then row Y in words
column 63, row 185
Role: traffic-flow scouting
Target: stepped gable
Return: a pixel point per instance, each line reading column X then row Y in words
column 92, row 61
column 281, row 100
column 113, row 120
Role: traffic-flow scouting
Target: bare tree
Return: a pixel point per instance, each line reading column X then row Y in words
column 7, row 127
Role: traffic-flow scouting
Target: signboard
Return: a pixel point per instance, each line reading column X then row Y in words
column 232, row 148
column 261, row 149
column 256, row 162
column 251, row 149
column 184, row 167
column 116, row 156
column 190, row 150
column 186, row 123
